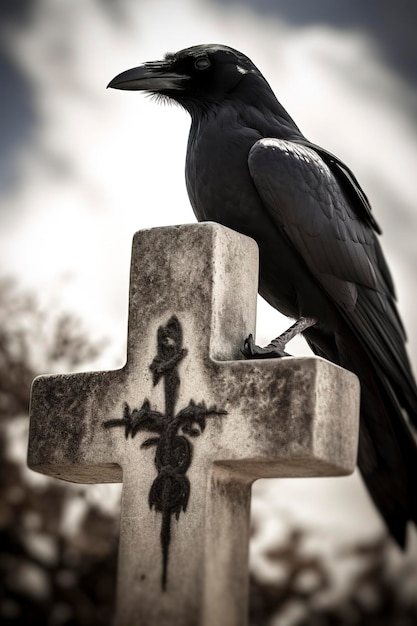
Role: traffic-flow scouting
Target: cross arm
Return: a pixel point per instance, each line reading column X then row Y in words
column 66, row 437
column 292, row 417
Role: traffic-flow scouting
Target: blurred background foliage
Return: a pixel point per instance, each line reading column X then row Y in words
column 58, row 546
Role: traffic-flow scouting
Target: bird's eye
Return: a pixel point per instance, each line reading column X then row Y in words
column 202, row 63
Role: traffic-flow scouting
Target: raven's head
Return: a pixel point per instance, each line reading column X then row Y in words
column 198, row 77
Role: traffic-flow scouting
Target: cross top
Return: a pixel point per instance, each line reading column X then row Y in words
column 187, row 425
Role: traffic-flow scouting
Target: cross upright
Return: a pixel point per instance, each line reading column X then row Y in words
column 188, row 424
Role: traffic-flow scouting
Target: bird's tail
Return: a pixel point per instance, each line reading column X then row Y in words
column 387, row 455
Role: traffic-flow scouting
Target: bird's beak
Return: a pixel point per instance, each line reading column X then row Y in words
column 154, row 76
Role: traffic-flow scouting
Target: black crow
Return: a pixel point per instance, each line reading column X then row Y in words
column 250, row 168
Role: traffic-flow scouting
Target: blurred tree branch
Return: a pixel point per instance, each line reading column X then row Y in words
column 47, row 575
column 31, row 342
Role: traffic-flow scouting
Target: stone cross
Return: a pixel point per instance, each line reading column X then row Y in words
column 188, row 424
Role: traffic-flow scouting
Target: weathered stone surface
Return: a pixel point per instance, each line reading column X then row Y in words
column 268, row 418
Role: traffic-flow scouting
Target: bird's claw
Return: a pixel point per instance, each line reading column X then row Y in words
column 252, row 351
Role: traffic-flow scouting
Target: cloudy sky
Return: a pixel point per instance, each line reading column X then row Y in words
column 82, row 168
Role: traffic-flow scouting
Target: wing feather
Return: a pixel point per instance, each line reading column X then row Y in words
column 304, row 198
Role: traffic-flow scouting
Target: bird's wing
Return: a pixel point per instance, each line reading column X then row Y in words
column 336, row 242
column 304, row 198
column 348, row 183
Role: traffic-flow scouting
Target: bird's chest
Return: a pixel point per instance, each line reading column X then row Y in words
column 218, row 180
column 221, row 189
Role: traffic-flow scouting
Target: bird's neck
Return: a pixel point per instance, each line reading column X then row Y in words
column 266, row 121
column 258, row 105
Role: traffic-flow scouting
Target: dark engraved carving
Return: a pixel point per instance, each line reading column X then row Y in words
column 170, row 491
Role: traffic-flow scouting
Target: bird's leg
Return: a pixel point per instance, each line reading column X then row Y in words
column 276, row 348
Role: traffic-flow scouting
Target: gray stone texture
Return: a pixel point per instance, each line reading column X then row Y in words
column 290, row 417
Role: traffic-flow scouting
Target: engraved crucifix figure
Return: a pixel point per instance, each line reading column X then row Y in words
column 170, row 490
